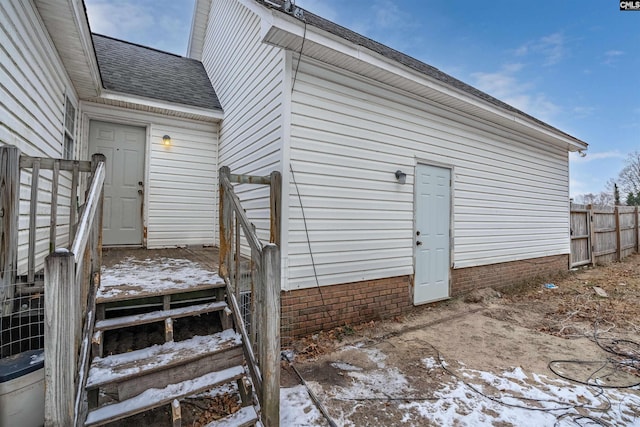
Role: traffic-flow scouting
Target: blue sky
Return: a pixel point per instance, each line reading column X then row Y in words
column 574, row 64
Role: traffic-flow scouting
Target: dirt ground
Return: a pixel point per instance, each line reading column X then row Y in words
column 563, row 355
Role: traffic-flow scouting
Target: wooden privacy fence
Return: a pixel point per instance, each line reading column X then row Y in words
column 251, row 271
column 603, row 234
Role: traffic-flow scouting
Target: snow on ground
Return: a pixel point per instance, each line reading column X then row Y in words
column 297, row 408
column 156, row 274
column 512, row 398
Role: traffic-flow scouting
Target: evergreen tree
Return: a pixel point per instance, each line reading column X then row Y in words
column 631, row 199
column 616, row 195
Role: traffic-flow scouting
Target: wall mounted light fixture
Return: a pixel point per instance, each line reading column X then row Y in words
column 401, row 176
column 166, row 140
column 582, row 153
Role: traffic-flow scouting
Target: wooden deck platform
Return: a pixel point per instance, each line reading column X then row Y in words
column 140, row 273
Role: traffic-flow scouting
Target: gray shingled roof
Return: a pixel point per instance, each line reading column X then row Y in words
column 406, row 60
column 138, row 70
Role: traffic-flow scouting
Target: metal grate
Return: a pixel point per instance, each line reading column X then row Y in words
column 22, row 320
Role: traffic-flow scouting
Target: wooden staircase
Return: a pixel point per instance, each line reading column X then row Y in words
column 143, row 379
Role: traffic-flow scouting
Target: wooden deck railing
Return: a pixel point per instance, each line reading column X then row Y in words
column 241, row 251
column 71, row 281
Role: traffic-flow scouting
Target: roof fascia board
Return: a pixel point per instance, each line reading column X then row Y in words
column 82, row 24
column 201, row 8
column 154, row 103
column 278, row 21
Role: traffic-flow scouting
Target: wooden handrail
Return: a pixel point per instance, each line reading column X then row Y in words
column 89, row 213
column 262, row 344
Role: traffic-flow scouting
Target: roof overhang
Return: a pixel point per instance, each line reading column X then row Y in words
column 285, row 31
column 198, row 28
column 67, row 24
column 156, row 106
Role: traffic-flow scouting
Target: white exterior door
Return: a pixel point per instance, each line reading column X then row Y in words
column 123, row 186
column 433, row 217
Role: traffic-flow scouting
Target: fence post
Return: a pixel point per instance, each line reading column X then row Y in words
column 224, row 212
column 637, row 229
column 270, row 335
column 275, row 189
column 616, row 212
column 59, row 339
column 592, row 235
column 9, row 211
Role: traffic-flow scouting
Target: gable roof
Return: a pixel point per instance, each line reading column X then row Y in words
column 308, row 18
column 142, row 71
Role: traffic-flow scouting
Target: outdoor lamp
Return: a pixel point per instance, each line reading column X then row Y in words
column 401, row 176
column 166, row 140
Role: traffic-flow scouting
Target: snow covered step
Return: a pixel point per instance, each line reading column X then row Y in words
column 152, row 398
column 158, row 316
column 159, row 365
column 245, row 417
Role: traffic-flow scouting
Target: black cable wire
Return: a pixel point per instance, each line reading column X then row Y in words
column 306, row 230
column 304, row 38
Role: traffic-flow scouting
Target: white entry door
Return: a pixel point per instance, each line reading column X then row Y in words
column 124, row 182
column 433, row 217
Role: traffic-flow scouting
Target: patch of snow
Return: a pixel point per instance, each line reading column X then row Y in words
column 513, row 397
column 36, row 358
column 345, row 366
column 61, row 251
column 140, row 276
column 376, row 356
column 431, row 363
column 120, row 365
column 540, row 403
column 297, row 408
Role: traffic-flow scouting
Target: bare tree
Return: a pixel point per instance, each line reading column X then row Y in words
column 629, row 177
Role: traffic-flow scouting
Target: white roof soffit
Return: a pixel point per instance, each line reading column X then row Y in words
column 285, row 31
column 67, row 24
column 158, row 106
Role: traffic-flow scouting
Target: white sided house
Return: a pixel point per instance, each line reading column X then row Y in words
column 401, row 184
column 68, row 94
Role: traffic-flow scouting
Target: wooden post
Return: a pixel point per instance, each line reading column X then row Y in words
column 616, row 212
column 636, row 223
column 592, row 235
column 276, row 207
column 73, row 205
column 53, row 218
column 59, row 339
column 33, row 215
column 224, row 211
column 270, row 336
column 9, row 211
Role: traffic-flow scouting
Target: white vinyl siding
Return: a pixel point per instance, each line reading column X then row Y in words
column 33, row 85
column 348, row 137
column 248, row 78
column 181, row 185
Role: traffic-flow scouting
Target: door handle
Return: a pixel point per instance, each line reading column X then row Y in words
column 418, row 243
column 139, row 191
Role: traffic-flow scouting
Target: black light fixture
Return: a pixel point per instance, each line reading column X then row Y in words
column 166, row 140
column 401, row 176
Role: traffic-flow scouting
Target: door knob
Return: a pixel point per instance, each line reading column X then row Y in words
column 139, row 191
column 418, row 243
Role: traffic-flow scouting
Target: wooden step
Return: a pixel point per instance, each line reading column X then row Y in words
column 158, row 316
column 160, row 365
column 125, row 292
column 245, row 417
column 152, row 398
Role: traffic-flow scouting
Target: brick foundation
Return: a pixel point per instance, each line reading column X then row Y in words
column 347, row 304
column 303, row 311
column 504, row 274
